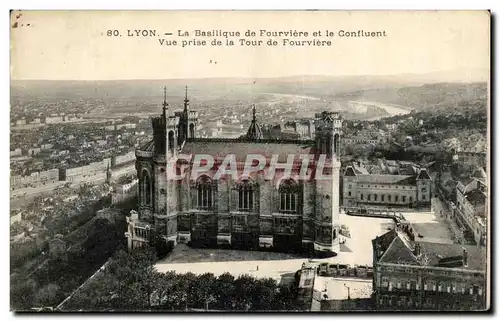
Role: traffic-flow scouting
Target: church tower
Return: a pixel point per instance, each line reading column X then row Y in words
column 192, row 119
column 166, row 130
column 328, row 126
column 160, row 159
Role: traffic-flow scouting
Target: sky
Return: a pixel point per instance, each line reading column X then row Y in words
column 61, row 45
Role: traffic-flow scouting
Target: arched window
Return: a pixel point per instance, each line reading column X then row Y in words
column 204, row 193
column 171, row 140
column 245, row 196
column 289, row 196
column 146, row 187
column 191, row 130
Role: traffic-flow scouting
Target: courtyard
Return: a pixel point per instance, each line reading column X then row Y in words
column 278, row 266
column 430, row 225
column 343, row 288
column 356, row 250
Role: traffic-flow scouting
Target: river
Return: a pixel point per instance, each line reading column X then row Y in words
column 393, row 110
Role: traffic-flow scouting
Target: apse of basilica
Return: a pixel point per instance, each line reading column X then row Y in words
column 251, row 212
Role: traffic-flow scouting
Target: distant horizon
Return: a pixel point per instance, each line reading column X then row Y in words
column 480, row 73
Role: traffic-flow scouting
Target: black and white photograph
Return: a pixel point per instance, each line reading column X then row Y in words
column 250, row 161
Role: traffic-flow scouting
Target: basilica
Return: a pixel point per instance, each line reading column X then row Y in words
column 252, row 212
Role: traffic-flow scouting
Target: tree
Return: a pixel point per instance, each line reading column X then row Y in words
column 162, row 245
column 47, row 295
column 224, row 291
column 129, row 282
column 22, row 294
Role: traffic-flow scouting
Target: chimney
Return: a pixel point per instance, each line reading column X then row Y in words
column 464, row 256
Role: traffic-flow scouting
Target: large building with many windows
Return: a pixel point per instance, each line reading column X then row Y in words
column 366, row 190
column 471, row 210
column 253, row 211
column 413, row 275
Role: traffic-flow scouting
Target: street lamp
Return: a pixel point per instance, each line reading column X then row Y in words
column 348, row 292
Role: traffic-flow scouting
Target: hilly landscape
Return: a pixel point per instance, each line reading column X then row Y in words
column 306, row 94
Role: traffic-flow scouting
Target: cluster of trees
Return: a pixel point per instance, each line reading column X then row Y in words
column 415, row 153
column 55, row 278
column 129, row 282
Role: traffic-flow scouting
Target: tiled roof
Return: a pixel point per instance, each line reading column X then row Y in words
column 476, row 146
column 383, row 241
column 480, row 174
column 399, row 251
column 423, row 175
column 386, row 179
column 476, row 197
column 241, row 148
column 407, row 170
column 360, row 169
column 374, row 169
column 349, row 171
column 476, row 256
column 149, row 146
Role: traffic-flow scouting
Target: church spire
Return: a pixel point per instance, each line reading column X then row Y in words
column 254, row 131
column 108, row 173
column 165, row 104
column 186, row 100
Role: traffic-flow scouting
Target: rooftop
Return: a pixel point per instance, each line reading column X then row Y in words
column 254, row 131
column 149, row 146
column 476, row 197
column 386, row 179
column 242, row 148
column 398, row 249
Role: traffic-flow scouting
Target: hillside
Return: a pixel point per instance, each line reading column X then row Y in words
column 441, row 96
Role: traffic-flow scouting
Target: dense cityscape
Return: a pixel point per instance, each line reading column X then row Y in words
column 409, row 232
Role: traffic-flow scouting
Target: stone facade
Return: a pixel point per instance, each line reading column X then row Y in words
column 409, row 275
column 472, row 209
column 386, row 190
column 254, row 211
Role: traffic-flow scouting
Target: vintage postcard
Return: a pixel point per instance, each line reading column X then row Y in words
column 205, row 161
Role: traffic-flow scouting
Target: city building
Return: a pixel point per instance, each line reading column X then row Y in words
column 412, row 275
column 473, row 152
column 408, row 187
column 124, row 192
column 253, row 211
column 303, row 127
column 471, row 209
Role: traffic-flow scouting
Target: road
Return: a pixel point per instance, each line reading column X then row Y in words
column 439, row 207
